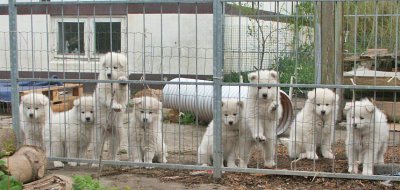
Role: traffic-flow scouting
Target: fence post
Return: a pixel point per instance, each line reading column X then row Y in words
column 12, row 17
column 217, row 78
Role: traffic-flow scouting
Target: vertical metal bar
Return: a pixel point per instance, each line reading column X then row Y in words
column 317, row 42
column 217, row 76
column 12, row 11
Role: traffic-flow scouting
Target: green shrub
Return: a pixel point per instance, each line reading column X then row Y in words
column 6, row 181
column 86, row 183
column 301, row 66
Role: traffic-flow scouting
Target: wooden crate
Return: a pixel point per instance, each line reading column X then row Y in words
column 61, row 97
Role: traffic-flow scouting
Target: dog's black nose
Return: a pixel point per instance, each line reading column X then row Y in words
column 354, row 124
column 323, row 112
column 144, row 120
column 108, row 75
column 265, row 95
column 230, row 123
column 31, row 115
column 88, row 119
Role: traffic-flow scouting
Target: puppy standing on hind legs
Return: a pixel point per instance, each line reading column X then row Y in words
column 367, row 135
column 111, row 102
column 231, row 119
column 262, row 113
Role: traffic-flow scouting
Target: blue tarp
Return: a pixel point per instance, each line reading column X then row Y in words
column 5, row 87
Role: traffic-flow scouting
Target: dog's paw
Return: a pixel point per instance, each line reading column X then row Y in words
column 260, row 138
column 311, row 155
column 117, row 107
column 273, row 107
column 73, row 164
column 269, row 164
column 367, row 172
column 58, row 164
column 327, row 154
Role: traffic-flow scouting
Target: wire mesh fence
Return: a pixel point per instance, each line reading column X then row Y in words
column 279, row 87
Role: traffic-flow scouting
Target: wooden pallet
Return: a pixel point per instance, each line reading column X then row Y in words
column 61, row 97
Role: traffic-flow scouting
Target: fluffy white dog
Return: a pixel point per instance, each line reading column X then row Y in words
column 231, row 119
column 111, row 100
column 70, row 132
column 146, row 131
column 367, row 135
column 35, row 113
column 314, row 125
column 262, row 113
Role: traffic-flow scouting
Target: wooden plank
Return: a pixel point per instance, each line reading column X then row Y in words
column 377, row 81
column 391, row 109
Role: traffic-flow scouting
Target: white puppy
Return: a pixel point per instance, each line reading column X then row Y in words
column 231, row 119
column 262, row 113
column 35, row 113
column 314, row 125
column 71, row 131
column 146, row 131
column 111, row 100
column 367, row 135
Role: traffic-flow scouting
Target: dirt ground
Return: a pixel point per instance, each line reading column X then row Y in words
column 182, row 142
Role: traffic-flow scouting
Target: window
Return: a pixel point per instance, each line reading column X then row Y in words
column 108, row 34
column 87, row 37
column 71, row 37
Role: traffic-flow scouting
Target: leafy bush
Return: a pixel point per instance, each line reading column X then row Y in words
column 301, row 66
column 235, row 77
column 86, row 183
column 6, row 181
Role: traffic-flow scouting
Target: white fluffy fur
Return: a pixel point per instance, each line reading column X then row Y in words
column 367, row 135
column 146, row 131
column 316, row 118
column 231, row 119
column 111, row 102
column 262, row 113
column 35, row 113
column 71, row 131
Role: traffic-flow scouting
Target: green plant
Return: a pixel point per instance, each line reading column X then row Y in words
column 86, row 183
column 187, row 118
column 235, row 77
column 300, row 65
column 6, row 181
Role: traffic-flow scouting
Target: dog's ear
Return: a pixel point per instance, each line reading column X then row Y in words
column 77, row 102
column 240, row 103
column 348, row 106
column 252, row 76
column 370, row 107
column 274, row 74
column 311, row 95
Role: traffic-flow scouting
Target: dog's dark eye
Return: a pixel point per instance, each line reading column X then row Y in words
column 352, row 117
column 150, row 112
column 142, row 111
column 269, row 87
column 361, row 117
column 83, row 112
column 91, row 111
column 259, row 87
column 28, row 108
column 36, row 108
column 326, row 104
column 115, row 67
column 226, row 115
column 318, row 104
column 234, row 114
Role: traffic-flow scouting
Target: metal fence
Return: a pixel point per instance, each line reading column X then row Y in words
column 199, row 54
